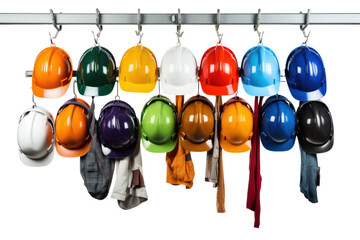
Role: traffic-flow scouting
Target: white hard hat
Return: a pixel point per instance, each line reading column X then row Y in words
column 178, row 71
column 35, row 137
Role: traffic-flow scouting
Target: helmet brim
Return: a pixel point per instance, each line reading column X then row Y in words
column 136, row 87
column 37, row 162
column 202, row 147
column 229, row 147
column 179, row 90
column 262, row 91
column 271, row 145
column 49, row 93
column 308, row 96
column 96, row 91
column 118, row 153
column 219, row 91
column 64, row 152
column 314, row 149
column 159, row 148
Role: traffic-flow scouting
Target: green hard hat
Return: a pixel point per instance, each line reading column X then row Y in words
column 96, row 73
column 159, row 125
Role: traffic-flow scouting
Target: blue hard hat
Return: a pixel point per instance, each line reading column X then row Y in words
column 278, row 124
column 260, row 72
column 305, row 74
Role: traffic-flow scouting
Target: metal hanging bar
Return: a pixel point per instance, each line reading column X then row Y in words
column 186, row 18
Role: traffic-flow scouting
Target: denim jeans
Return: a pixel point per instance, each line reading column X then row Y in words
column 310, row 175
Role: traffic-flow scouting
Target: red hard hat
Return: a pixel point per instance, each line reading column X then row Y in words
column 219, row 74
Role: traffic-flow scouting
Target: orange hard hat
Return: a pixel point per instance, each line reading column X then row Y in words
column 72, row 138
column 236, row 125
column 52, row 73
column 197, row 124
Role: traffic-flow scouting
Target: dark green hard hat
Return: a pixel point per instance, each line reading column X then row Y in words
column 96, row 73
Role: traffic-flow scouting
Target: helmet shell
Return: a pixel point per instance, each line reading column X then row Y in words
column 236, row 125
column 197, row 124
column 52, row 73
column 278, row 124
column 72, row 130
column 315, row 128
column 96, row 73
column 219, row 72
column 178, row 71
column 118, row 129
column 35, row 137
column 159, row 125
column 138, row 70
column 305, row 74
column 260, row 72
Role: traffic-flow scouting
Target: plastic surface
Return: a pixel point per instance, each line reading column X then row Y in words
column 72, row 138
column 159, row 125
column 278, row 124
column 35, row 137
column 118, row 129
column 315, row 129
column 260, row 72
column 138, row 70
column 236, row 125
column 96, row 73
column 52, row 73
column 305, row 74
column 219, row 72
column 178, row 71
column 197, row 124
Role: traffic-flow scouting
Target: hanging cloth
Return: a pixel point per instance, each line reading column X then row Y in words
column 180, row 168
column 253, row 196
column 309, row 176
column 95, row 168
column 214, row 171
column 129, row 187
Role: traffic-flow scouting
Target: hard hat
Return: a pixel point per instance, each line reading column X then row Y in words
column 219, row 73
column 35, row 137
column 52, row 73
column 260, row 72
column 236, row 125
column 197, row 124
column 315, row 128
column 96, row 73
column 178, row 71
column 159, row 125
column 305, row 74
column 277, row 124
column 118, row 129
column 138, row 70
column 72, row 138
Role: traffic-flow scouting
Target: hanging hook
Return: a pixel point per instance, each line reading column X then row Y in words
column 75, row 96
column 117, row 97
column 58, row 28
column 303, row 27
column 139, row 31
column 100, row 27
column 256, row 27
column 217, row 26
column 33, row 100
column 179, row 33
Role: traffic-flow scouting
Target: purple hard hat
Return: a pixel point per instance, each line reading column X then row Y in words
column 118, row 129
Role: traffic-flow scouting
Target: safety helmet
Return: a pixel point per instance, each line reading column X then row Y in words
column 178, row 71
column 219, row 73
column 72, row 138
column 260, row 72
column 52, row 73
column 197, row 124
column 118, row 129
column 305, row 74
column 35, row 137
column 315, row 128
column 138, row 70
column 96, row 73
column 159, row 125
column 277, row 124
column 236, row 125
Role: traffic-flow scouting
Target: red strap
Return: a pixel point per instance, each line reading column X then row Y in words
column 253, row 197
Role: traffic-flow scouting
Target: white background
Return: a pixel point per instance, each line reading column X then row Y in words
column 52, row 202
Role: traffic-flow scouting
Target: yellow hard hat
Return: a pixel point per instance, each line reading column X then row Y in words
column 138, row 70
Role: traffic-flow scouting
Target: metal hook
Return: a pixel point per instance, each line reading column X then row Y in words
column 303, row 27
column 159, row 86
column 256, row 27
column 75, row 96
column 198, row 83
column 100, row 27
column 58, row 28
column 139, row 31
column 117, row 97
column 217, row 26
column 179, row 33
column 33, row 100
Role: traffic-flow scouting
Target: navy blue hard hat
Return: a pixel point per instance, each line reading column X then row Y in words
column 278, row 124
column 118, row 129
column 305, row 74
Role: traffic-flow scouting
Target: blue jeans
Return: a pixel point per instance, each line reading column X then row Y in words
column 310, row 175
